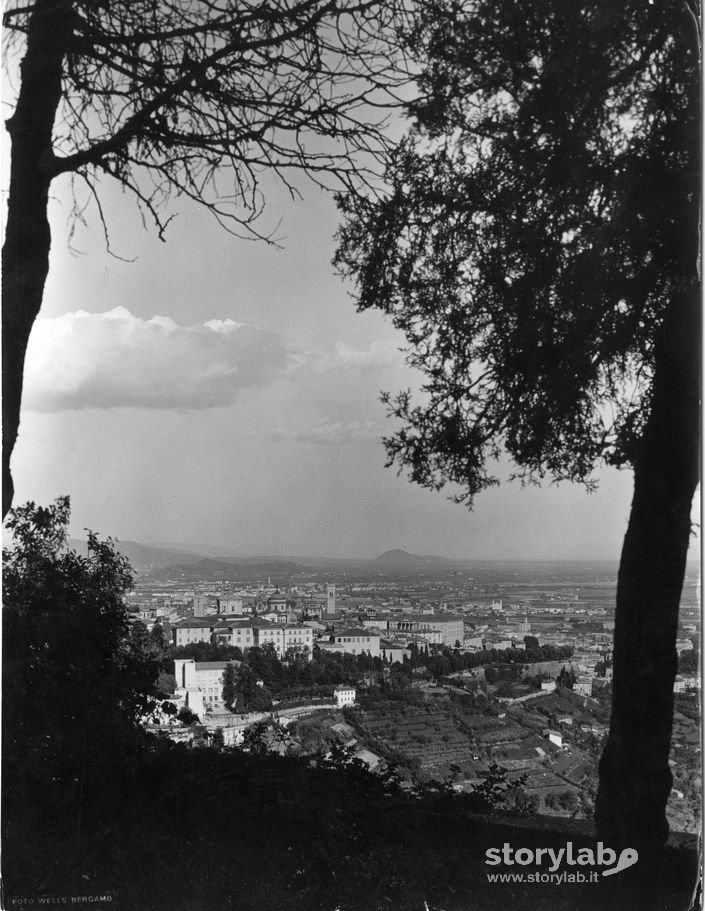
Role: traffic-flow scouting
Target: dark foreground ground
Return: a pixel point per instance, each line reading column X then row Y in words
column 198, row 831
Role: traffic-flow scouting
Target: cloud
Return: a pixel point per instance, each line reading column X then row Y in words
column 378, row 356
column 329, row 433
column 115, row 359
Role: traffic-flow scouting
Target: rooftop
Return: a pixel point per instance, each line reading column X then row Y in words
column 429, row 619
column 194, row 623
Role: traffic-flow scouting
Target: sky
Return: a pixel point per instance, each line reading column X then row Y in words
column 213, row 390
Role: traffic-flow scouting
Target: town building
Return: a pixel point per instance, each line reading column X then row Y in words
column 311, row 609
column 354, row 641
column 476, row 643
column 499, row 644
column 583, row 686
column 204, row 605
column 213, row 629
column 194, row 629
column 231, row 606
column 200, row 677
column 392, row 651
column 271, row 616
column 283, row 636
column 267, row 633
column 344, row 695
column 234, row 632
column 277, row 603
column 298, row 636
column 683, row 684
column 684, row 645
column 438, row 629
column 380, row 622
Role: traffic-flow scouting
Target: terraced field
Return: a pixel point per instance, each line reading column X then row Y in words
column 436, row 739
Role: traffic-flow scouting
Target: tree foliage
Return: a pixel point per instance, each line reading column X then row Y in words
column 252, row 694
column 203, row 651
column 201, row 98
column 536, row 230
column 539, row 249
column 689, row 662
column 495, row 791
column 230, row 686
column 77, row 676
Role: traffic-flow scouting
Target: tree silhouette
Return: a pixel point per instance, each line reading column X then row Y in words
column 180, row 98
column 539, row 248
column 229, row 685
column 77, row 676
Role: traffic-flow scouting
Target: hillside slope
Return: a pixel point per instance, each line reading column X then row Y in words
column 207, row 831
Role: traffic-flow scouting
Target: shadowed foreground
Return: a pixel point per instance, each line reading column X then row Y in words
column 197, row 830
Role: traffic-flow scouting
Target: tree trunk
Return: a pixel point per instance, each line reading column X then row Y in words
column 635, row 779
column 25, row 254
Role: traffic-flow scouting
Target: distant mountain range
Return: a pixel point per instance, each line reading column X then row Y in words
column 164, row 562
column 203, row 550
column 404, row 557
column 210, row 559
column 190, row 563
column 144, row 557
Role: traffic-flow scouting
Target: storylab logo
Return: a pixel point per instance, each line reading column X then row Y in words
column 590, row 862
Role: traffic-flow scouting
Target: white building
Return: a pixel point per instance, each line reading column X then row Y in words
column 283, row 636
column 344, row 695
column 200, row 681
column 442, row 629
column 267, row 633
column 236, row 632
column 195, row 629
column 500, row 644
column 682, row 684
column 378, row 623
column 355, row 641
column 213, row 629
column 437, row 629
column 583, row 686
column 298, row 636
column 684, row 645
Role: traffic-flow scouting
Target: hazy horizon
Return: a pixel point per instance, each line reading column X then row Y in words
column 215, row 552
